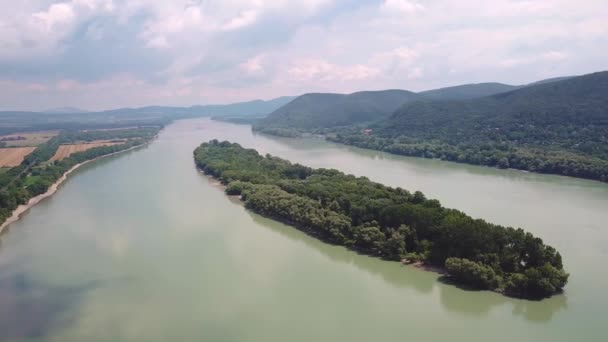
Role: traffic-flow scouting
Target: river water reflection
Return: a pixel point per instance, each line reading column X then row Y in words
column 142, row 247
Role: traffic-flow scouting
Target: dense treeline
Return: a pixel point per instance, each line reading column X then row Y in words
column 503, row 155
column 35, row 174
column 111, row 134
column 391, row 223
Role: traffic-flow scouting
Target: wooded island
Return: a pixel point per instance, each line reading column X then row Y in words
column 391, row 223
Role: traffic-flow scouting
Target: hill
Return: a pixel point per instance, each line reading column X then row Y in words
column 580, row 101
column 467, row 91
column 549, row 80
column 557, row 127
column 21, row 121
column 319, row 110
column 62, row 110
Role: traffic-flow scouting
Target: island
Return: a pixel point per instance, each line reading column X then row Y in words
column 385, row 222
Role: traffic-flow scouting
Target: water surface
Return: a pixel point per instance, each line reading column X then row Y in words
column 142, row 247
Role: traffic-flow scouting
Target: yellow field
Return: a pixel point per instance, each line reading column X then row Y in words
column 10, row 157
column 66, row 150
column 31, row 138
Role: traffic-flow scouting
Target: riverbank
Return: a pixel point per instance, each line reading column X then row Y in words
column 23, row 208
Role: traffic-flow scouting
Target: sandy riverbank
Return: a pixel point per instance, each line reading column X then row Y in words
column 23, row 208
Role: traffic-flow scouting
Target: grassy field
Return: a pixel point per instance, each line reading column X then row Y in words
column 27, row 139
column 10, row 157
column 66, row 150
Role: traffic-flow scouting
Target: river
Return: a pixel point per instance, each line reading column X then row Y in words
column 141, row 247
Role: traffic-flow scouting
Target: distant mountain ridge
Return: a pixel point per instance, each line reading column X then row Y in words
column 65, row 110
column 559, row 126
column 467, row 91
column 13, row 121
column 254, row 107
column 579, row 100
column 329, row 110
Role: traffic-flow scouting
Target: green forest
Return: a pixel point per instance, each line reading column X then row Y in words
column 36, row 173
column 390, row 223
column 558, row 127
column 502, row 154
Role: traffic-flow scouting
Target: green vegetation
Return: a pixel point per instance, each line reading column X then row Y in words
column 530, row 158
column 316, row 110
column 467, row 91
column 35, row 174
column 386, row 222
column 557, row 126
column 147, row 132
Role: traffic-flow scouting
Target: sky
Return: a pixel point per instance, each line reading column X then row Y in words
column 102, row 54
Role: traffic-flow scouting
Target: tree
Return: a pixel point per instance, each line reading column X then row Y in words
column 472, row 273
column 394, row 247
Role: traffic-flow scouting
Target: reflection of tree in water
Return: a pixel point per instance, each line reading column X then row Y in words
column 452, row 298
column 540, row 311
column 479, row 303
column 391, row 272
column 471, row 302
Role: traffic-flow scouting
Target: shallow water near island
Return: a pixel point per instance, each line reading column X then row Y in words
column 142, row 247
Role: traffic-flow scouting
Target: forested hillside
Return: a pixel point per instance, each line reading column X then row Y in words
column 386, row 222
column 556, row 127
column 467, row 91
column 317, row 112
column 320, row 110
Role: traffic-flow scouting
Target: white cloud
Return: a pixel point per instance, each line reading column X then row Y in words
column 213, row 51
column 253, row 65
column 555, row 56
column 38, row 31
column 244, row 19
column 404, row 6
column 56, row 17
column 321, row 70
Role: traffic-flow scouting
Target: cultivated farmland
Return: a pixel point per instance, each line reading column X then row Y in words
column 66, row 150
column 10, row 157
column 27, row 139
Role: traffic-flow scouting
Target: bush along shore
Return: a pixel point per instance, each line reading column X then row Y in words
column 391, row 223
column 37, row 174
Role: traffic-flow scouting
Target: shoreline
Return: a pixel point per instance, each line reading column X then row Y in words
column 418, row 265
column 23, row 208
column 441, row 272
column 324, row 136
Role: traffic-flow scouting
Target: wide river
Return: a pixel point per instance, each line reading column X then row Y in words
column 142, row 247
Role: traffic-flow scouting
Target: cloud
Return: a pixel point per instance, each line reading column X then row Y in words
column 108, row 53
column 253, row 65
column 401, row 6
column 244, row 19
column 57, row 15
column 321, row 70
